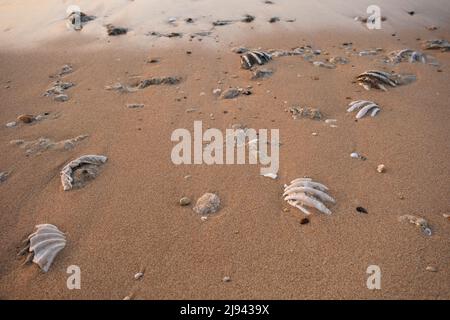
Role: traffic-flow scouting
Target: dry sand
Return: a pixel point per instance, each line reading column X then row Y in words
column 129, row 217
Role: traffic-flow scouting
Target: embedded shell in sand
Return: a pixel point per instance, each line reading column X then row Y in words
column 72, row 176
column 251, row 58
column 43, row 245
column 303, row 192
column 380, row 79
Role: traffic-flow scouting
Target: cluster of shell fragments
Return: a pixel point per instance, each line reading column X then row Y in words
column 437, row 44
column 407, row 55
column 43, row 245
column 251, row 58
column 303, row 192
column 364, row 107
column 77, row 172
column 380, row 79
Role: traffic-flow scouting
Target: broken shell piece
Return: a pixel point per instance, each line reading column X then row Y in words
column 418, row 221
column 138, row 275
column 261, row 73
column 324, row 65
column 364, row 106
column 356, row 155
column 297, row 112
column 250, row 58
column 270, row 175
column 207, row 204
column 158, row 81
column 441, row 44
column 42, row 144
column 44, row 244
column 303, row 192
column 77, row 172
column 78, row 19
column 339, row 60
column 3, row 176
column 407, row 55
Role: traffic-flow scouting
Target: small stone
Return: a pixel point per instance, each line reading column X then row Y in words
column 285, row 209
column 207, row 204
column 431, row 269
column 187, row 177
column 226, row 279
column 11, row 124
column 185, row 201
column 381, row 168
column 204, row 218
column 361, row 210
column 304, row 221
column 315, row 134
column 217, row 92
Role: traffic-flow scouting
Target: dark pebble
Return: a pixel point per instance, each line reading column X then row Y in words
column 361, row 210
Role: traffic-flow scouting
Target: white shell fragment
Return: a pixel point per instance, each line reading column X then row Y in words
column 87, row 161
column 43, row 245
column 418, row 221
column 364, row 106
column 303, row 192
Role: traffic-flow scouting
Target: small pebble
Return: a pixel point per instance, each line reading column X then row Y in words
column 361, row 210
column 11, row 124
column 381, row 168
column 185, row 201
column 304, row 221
column 226, row 279
column 431, row 269
column 315, row 134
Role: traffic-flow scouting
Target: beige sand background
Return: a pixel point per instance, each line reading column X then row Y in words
column 129, row 217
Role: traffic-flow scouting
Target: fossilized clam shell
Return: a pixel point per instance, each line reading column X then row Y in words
column 82, row 169
column 44, row 244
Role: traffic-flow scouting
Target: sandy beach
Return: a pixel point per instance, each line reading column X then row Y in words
column 129, row 218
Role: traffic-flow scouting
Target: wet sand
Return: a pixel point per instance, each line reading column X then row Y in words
column 129, row 217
